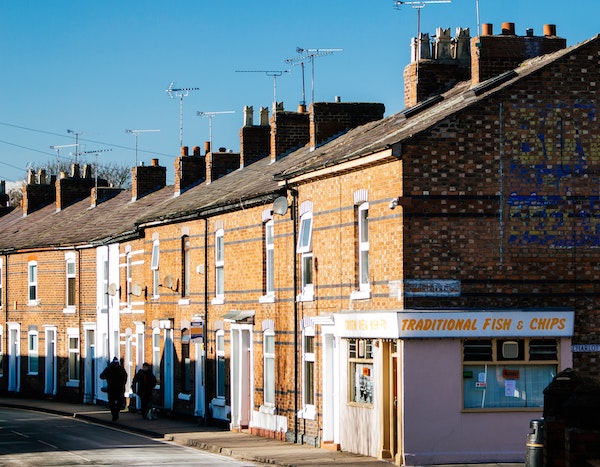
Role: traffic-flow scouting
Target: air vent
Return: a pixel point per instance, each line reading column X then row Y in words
column 510, row 350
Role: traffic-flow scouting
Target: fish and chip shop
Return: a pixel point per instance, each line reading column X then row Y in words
column 441, row 387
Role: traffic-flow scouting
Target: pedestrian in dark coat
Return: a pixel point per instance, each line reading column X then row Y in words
column 116, row 378
column 142, row 385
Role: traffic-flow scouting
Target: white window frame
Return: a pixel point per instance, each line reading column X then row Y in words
column 154, row 267
column 186, row 274
column 73, row 352
column 362, row 253
column 308, row 374
column 1, row 282
column 361, row 383
column 156, row 353
column 219, row 267
column 32, row 283
column 33, row 360
column 304, row 249
column 70, row 281
column 128, row 278
column 269, row 264
column 269, row 372
column 105, row 275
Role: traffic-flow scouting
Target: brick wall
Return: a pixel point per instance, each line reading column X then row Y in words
column 146, row 179
column 189, row 170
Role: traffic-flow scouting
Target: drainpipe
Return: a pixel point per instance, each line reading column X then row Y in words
column 294, row 217
column 205, row 327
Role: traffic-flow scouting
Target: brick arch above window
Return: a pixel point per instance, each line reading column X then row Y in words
column 306, row 206
column 268, row 324
column 219, row 225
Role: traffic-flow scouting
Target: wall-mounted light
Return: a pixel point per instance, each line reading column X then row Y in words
column 393, row 203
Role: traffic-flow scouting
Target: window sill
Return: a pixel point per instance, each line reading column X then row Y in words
column 73, row 384
column 218, row 301
column 218, row 401
column 70, row 310
column 34, row 303
column 267, row 299
column 308, row 413
column 183, row 301
column 184, row 397
column 268, row 409
column 35, row 373
column 360, row 295
column 305, row 297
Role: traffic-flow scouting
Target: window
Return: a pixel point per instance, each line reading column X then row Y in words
column 32, row 281
column 156, row 354
column 308, row 372
column 70, row 268
column 154, row 267
column 507, row 373
column 304, row 248
column 269, row 366
column 363, row 246
column 74, row 357
column 105, row 283
column 269, row 287
column 32, row 355
column 129, row 278
column 220, row 348
column 186, row 369
column 219, row 264
column 185, row 266
column 360, row 360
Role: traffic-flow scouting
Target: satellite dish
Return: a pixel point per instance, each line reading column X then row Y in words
column 280, row 205
column 112, row 289
column 136, row 289
column 168, row 281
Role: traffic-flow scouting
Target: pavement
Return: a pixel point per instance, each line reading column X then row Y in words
column 239, row 445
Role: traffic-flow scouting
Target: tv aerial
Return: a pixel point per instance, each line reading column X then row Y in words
column 136, row 133
column 418, row 5
column 210, row 116
column 180, row 93
column 77, row 135
column 57, row 148
column 310, row 54
column 274, row 74
column 96, row 154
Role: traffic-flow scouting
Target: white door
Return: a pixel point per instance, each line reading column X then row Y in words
column 51, row 365
column 241, row 376
column 14, row 357
column 89, row 366
column 330, row 388
column 167, row 380
column 199, row 391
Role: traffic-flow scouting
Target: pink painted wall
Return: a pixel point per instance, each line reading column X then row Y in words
column 436, row 431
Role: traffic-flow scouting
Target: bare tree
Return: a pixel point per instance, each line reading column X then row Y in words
column 117, row 175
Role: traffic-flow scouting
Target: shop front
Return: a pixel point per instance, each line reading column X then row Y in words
column 455, row 386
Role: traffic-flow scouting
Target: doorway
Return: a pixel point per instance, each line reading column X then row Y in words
column 89, row 366
column 392, row 404
column 241, row 379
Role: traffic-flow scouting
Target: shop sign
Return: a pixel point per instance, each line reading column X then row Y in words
column 461, row 324
column 585, row 348
column 196, row 331
column 431, row 288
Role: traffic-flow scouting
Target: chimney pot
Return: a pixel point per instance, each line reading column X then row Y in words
column 184, row 150
column 529, row 32
column 206, row 147
column 248, row 115
column 508, row 29
column 264, row 116
column 487, row 29
column 338, row 99
column 196, row 151
column 549, row 29
column 154, row 162
column 222, row 149
column 301, row 108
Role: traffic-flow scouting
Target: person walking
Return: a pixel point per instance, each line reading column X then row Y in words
column 142, row 385
column 116, row 378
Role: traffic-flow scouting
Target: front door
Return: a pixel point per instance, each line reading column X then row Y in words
column 89, row 366
column 51, row 366
column 199, row 391
column 14, row 357
column 391, row 404
column 241, row 382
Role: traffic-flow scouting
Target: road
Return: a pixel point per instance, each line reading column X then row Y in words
column 29, row 438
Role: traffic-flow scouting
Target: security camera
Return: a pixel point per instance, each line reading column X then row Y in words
column 393, row 203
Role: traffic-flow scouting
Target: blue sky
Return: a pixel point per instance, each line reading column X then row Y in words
column 101, row 67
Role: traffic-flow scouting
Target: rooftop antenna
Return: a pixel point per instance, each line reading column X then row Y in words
column 478, row 22
column 274, row 74
column 96, row 153
column 210, row 116
column 136, row 133
column 57, row 149
column 77, row 134
column 181, row 93
column 418, row 5
column 300, row 61
column 311, row 54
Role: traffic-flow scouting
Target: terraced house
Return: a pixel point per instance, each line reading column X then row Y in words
column 401, row 287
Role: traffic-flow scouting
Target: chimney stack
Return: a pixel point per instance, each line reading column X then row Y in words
column 147, row 179
column 190, row 170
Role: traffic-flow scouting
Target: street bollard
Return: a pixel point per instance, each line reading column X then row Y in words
column 534, row 456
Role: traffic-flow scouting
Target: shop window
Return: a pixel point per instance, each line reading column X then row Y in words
column 507, row 373
column 220, row 348
column 74, row 357
column 32, row 355
column 360, row 361
column 154, row 266
column 269, row 367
